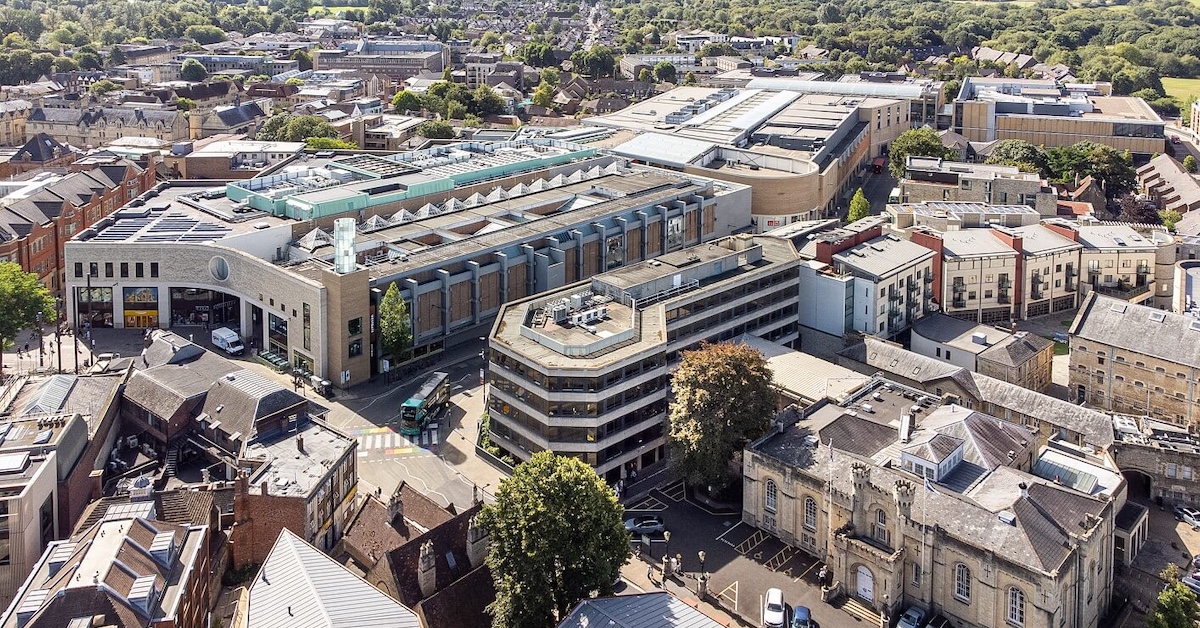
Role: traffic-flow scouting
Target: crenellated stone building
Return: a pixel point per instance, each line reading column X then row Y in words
column 912, row 502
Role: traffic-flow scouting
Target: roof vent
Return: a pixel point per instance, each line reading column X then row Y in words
column 1007, row 517
column 1158, row 317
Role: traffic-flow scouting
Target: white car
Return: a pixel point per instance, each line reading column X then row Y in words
column 773, row 610
column 912, row 618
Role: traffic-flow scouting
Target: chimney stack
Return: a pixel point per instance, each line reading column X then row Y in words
column 1024, row 489
column 300, row 443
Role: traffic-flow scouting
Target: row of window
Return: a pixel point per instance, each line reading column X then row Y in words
column 577, row 408
column 139, row 269
column 962, row 591
column 576, row 384
column 733, row 294
column 502, row 411
column 810, row 506
column 724, row 316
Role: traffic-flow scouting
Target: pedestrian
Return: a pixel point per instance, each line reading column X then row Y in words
column 93, row 345
column 650, row 573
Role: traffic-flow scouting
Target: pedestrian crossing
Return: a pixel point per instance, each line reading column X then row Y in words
column 383, row 441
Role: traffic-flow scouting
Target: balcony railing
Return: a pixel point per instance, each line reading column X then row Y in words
column 1036, row 294
column 928, row 278
column 959, row 288
column 1004, row 298
column 1070, row 286
column 1070, row 272
column 1123, row 291
column 894, row 296
column 928, row 293
column 958, row 303
column 1004, row 283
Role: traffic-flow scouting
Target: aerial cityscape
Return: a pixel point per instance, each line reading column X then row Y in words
column 661, row 314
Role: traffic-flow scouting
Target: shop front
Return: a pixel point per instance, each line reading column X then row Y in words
column 94, row 305
column 140, row 307
column 196, row 306
column 277, row 338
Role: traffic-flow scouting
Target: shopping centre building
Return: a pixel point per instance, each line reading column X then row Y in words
column 461, row 229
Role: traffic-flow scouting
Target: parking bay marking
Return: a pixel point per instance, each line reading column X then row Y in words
column 725, row 595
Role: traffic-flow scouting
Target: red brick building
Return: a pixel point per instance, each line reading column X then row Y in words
column 39, row 220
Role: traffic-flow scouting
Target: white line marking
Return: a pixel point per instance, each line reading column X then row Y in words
column 722, row 537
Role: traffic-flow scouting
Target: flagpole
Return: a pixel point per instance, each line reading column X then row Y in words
column 924, row 520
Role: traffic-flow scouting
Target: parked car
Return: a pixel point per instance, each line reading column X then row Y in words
column 802, row 618
column 912, row 618
column 1196, row 562
column 773, row 610
column 1175, row 139
column 939, row 622
column 1192, row 582
column 646, row 524
column 1188, row 515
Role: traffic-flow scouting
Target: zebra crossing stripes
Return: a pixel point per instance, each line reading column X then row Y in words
column 384, row 441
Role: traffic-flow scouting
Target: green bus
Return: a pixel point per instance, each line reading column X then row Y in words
column 426, row 403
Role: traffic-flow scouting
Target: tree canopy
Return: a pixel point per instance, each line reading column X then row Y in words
column 435, row 130
column 22, row 299
column 922, row 142
column 406, row 102
column 1176, row 605
column 724, row 397
column 860, row 207
column 556, row 535
column 287, row 127
column 395, row 325
column 192, row 70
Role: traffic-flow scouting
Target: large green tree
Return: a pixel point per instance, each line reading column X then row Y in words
column 192, row 70
column 287, row 127
column 204, row 34
column 724, row 398
column 22, row 299
column 556, row 536
column 435, row 130
column 664, row 72
column 1176, row 605
column 1021, row 154
column 406, row 102
column 395, row 325
column 860, row 207
column 923, row 142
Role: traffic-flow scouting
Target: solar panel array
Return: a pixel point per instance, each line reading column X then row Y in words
column 172, row 226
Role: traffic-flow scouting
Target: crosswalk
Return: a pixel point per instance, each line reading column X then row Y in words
column 383, row 441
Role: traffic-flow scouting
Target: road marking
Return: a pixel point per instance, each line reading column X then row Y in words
column 774, row 563
column 810, row 568
column 725, row 595
column 675, row 492
column 754, row 541
column 722, row 537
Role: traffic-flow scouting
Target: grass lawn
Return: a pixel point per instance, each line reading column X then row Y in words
column 1061, row 348
column 1182, row 88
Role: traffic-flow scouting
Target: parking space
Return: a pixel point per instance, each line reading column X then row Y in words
column 741, row 560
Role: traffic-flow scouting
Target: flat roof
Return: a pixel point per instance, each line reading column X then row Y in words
column 235, row 147
column 958, row 333
column 806, row 376
column 940, row 209
column 291, row 470
column 661, row 148
column 974, row 243
column 1114, row 237
column 178, row 213
column 1040, row 239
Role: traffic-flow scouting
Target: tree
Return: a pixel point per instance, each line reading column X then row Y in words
column 304, row 59
column 860, row 207
column 435, row 130
column 329, row 143
column 1169, row 217
column 406, row 102
column 192, row 71
column 292, row 80
column 689, row 78
column 1189, row 164
column 395, row 325
column 204, row 34
column 556, row 536
column 487, row 102
column 922, row 142
column 102, row 87
column 1021, row 154
column 550, row 76
column 88, row 60
column 1137, row 211
column 22, row 299
column 664, row 72
column 543, row 96
column 116, row 56
column 724, row 397
column 185, row 104
column 1176, row 605
column 644, row 75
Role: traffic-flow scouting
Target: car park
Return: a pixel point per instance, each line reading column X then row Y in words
column 773, row 609
column 912, row 618
column 646, row 524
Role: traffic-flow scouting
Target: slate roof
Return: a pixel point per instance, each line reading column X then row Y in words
column 1019, row 350
column 41, row 148
column 463, row 603
column 370, row 535
column 237, row 115
column 1129, row 515
column 184, row 507
column 648, row 610
column 937, row 448
column 1124, row 325
column 858, row 435
column 1096, row 427
column 450, row 538
column 109, row 115
column 239, row 398
column 298, row 585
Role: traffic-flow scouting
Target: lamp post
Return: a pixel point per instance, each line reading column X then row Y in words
column 41, row 347
column 58, row 302
column 700, row 554
column 667, row 539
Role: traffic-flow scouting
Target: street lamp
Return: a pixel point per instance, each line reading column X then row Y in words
column 701, row 555
column 41, row 347
column 58, row 330
column 667, row 539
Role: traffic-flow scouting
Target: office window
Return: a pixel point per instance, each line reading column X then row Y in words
column 356, row 347
column 810, row 513
column 153, row 269
column 139, row 269
column 108, row 269
column 124, row 269
column 355, row 326
column 1016, row 607
column 78, row 269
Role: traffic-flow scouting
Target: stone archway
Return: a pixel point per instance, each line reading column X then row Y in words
column 1141, row 484
column 864, row 583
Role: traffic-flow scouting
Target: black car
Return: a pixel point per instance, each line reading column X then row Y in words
column 646, row 524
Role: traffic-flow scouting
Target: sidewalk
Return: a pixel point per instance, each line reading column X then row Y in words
column 682, row 587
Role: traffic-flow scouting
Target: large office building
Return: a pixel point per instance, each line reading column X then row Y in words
column 585, row 370
column 800, row 151
column 460, row 229
column 395, row 59
column 1047, row 113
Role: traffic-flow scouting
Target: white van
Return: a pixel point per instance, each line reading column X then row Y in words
column 228, row 340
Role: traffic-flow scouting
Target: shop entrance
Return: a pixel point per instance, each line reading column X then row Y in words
column 197, row 306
